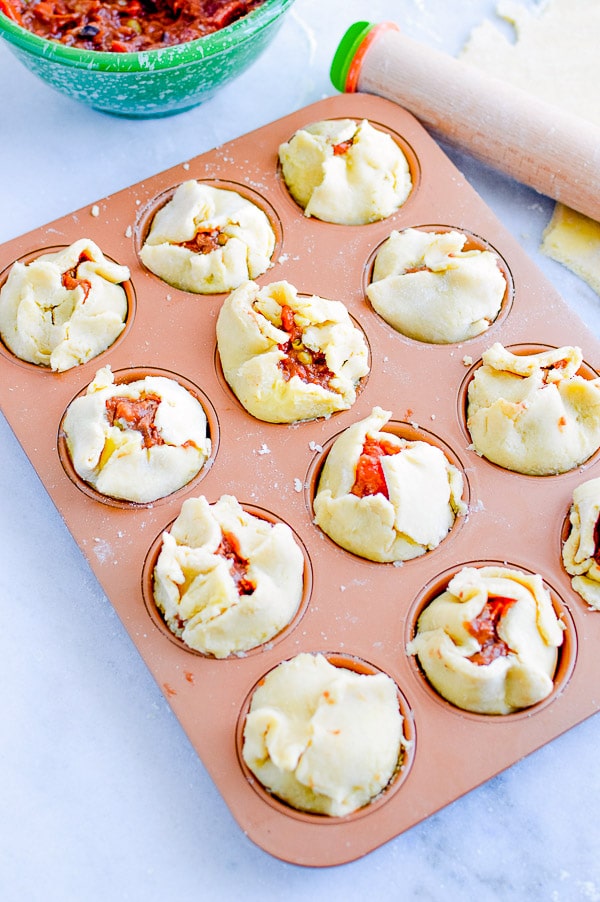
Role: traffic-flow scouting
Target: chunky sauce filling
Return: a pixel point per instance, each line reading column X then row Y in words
column 122, row 26
column 485, row 629
column 138, row 414
column 369, row 478
column 229, row 548
column 205, row 241
column 70, row 280
column 310, row 366
column 342, row 147
column 597, row 542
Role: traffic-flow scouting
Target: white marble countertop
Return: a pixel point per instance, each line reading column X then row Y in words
column 102, row 796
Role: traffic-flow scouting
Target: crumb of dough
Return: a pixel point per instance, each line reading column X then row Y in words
column 324, row 738
column 225, row 580
column 488, row 643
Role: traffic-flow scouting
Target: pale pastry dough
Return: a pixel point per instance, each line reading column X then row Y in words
column 532, row 413
column 556, row 30
column 225, row 580
column 136, row 454
column 345, row 172
column 63, row 308
column 322, row 738
column 427, row 287
column 484, row 660
column 281, row 376
column 229, row 240
column 580, row 550
column 424, row 495
column 574, row 240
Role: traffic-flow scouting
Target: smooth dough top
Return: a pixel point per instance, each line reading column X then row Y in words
column 580, row 550
column 208, row 240
column 532, row 413
column 225, row 580
column 428, row 288
column 137, row 441
column 63, row 308
column 323, row 738
column 346, row 172
column 289, row 357
column 386, row 498
column 489, row 642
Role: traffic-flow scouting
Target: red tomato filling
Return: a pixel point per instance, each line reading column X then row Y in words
column 136, row 414
column 120, row 26
column 229, row 548
column 308, row 365
column 369, row 478
column 70, row 280
column 485, row 629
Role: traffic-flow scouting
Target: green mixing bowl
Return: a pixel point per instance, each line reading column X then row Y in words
column 149, row 83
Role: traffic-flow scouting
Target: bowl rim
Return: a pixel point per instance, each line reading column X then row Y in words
column 170, row 57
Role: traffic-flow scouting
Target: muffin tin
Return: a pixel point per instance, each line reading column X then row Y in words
column 361, row 613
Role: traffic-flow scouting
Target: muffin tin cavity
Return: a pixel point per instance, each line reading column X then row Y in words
column 406, row 432
column 125, row 377
column 226, row 226
column 401, row 773
column 349, row 603
column 159, row 621
column 127, row 319
column 473, row 242
column 566, row 656
column 333, row 208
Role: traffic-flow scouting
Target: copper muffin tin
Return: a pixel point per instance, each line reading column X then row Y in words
column 352, row 608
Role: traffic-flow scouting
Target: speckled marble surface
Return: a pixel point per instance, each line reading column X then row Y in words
column 103, row 798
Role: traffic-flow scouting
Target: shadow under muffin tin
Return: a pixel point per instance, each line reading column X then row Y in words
column 353, row 609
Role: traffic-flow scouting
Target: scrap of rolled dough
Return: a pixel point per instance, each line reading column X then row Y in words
column 555, row 57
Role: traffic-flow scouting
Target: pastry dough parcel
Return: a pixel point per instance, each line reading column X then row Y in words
column 427, row 287
column 136, row 441
column 489, row 643
column 63, row 308
column 386, row 498
column 323, row 738
column 289, row 357
column 580, row 552
column 208, row 240
column 345, row 172
column 532, row 413
column 225, row 580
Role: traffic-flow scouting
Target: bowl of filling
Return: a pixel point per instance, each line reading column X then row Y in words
column 139, row 58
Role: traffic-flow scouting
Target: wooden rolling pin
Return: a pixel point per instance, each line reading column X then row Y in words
column 552, row 151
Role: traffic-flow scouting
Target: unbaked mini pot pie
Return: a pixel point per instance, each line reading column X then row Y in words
column 289, row 357
column 208, row 240
column 489, row 642
column 63, row 308
column 386, row 498
column 426, row 286
column 136, row 441
column 534, row 413
column 345, row 172
column 581, row 549
column 227, row 581
column 322, row 738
